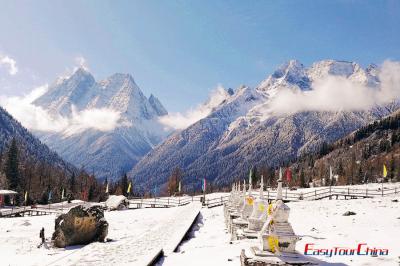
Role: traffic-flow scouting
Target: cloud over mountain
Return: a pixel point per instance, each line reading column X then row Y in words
column 9, row 63
column 338, row 92
column 37, row 118
column 183, row 120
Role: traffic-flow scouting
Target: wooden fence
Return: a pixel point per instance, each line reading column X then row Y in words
column 317, row 194
column 135, row 203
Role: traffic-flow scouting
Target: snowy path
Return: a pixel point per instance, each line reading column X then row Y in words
column 137, row 236
column 142, row 248
column 210, row 244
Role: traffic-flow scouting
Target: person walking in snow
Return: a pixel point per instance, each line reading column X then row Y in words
column 41, row 235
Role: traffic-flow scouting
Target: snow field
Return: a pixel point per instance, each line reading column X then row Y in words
column 136, row 237
column 377, row 223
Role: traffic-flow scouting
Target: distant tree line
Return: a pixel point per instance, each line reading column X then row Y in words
column 43, row 182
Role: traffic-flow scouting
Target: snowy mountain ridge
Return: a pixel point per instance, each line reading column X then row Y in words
column 246, row 129
column 108, row 153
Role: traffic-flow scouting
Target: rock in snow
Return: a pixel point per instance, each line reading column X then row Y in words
column 115, row 202
column 349, row 213
column 80, row 226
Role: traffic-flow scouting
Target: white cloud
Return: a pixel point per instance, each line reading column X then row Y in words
column 9, row 63
column 36, row 118
column 101, row 119
column 182, row 121
column 335, row 93
column 80, row 62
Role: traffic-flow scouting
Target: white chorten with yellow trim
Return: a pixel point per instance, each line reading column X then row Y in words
column 248, row 202
column 277, row 234
column 259, row 214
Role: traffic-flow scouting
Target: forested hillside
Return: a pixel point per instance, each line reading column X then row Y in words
column 357, row 158
column 26, row 164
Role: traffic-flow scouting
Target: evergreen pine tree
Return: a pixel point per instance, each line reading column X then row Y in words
column 255, row 177
column 91, row 193
column 72, row 182
column 302, row 179
column 11, row 167
column 391, row 168
column 124, row 185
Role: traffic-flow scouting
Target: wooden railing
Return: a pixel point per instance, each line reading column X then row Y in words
column 287, row 195
column 331, row 192
column 160, row 202
column 217, row 201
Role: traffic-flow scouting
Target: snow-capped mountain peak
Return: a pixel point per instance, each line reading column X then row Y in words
column 135, row 126
column 247, row 128
column 157, row 106
column 332, row 67
column 290, row 74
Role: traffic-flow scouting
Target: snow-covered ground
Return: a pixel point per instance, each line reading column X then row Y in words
column 136, row 236
column 377, row 223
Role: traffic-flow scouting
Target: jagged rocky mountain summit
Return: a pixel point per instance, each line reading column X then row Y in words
column 245, row 130
column 112, row 151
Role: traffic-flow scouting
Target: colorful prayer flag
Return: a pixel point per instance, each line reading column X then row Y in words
column 384, row 171
column 288, row 175
column 204, row 185
column 250, row 175
column 129, row 187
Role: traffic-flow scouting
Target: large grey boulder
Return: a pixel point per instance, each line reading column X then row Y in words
column 115, row 202
column 81, row 225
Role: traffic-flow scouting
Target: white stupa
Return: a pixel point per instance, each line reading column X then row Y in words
column 277, row 234
column 242, row 198
column 248, row 202
column 259, row 214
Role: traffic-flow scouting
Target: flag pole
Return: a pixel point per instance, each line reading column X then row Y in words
column 384, row 175
column 204, row 191
column 287, row 182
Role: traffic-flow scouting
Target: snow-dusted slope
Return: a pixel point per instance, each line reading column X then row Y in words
column 30, row 147
column 245, row 130
column 108, row 152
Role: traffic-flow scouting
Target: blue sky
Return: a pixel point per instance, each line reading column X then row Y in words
column 180, row 50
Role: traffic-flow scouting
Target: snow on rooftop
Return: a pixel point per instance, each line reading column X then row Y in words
column 7, row 192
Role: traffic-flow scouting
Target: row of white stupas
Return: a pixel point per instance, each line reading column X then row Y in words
column 251, row 217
